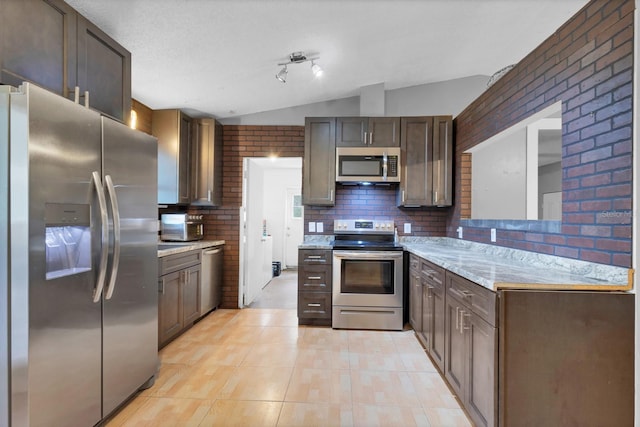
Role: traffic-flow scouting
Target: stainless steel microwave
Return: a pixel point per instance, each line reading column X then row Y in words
column 368, row 164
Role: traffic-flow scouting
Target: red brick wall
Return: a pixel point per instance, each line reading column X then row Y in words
column 588, row 64
column 377, row 202
column 224, row 222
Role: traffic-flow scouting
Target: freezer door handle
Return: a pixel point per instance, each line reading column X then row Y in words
column 104, row 222
column 116, row 235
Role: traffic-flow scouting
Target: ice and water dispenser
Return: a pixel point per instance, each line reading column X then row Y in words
column 67, row 240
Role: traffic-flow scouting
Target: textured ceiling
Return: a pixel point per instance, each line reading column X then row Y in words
column 219, row 57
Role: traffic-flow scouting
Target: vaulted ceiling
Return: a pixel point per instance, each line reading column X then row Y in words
column 219, row 57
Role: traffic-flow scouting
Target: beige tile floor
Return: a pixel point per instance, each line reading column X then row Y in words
column 257, row 367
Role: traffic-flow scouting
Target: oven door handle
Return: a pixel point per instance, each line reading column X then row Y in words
column 367, row 254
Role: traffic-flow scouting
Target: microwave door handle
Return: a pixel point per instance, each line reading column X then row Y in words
column 104, row 223
column 116, row 235
column 385, row 166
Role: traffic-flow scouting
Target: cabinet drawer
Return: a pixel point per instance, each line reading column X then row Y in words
column 314, row 305
column 177, row 262
column 414, row 263
column 314, row 256
column 315, row 278
column 433, row 273
column 480, row 300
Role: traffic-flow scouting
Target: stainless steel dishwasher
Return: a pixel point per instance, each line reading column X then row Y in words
column 211, row 285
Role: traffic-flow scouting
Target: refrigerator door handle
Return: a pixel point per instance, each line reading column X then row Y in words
column 116, row 235
column 104, row 220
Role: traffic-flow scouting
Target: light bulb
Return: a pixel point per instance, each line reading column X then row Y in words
column 316, row 69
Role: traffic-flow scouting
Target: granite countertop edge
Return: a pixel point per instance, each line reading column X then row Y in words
column 181, row 247
column 497, row 268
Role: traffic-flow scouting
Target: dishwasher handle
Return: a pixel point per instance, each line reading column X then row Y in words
column 212, row 252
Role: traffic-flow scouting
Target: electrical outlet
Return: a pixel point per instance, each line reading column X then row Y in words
column 407, row 228
column 493, row 234
column 320, row 227
column 312, row 227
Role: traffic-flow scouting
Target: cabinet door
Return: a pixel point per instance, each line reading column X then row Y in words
column 206, row 163
column 184, row 159
column 352, row 132
column 427, row 313
column 442, row 160
column 191, row 295
column 455, row 354
column 482, row 382
column 38, row 44
column 415, row 301
column 104, row 70
column 416, row 150
column 169, row 306
column 319, row 169
column 384, row 131
column 437, row 342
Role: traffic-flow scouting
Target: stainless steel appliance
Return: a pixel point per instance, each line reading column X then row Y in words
column 211, row 284
column 78, row 224
column 367, row 276
column 181, row 227
column 368, row 164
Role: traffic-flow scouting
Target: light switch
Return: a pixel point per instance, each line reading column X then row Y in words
column 493, row 234
column 312, row 227
column 320, row 227
column 407, row 228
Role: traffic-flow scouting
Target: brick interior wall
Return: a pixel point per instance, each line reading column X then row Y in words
column 588, row 65
column 224, row 222
column 377, row 202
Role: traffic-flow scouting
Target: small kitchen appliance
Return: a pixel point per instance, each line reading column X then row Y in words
column 181, row 227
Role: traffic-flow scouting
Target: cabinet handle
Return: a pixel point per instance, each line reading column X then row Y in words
column 466, row 294
column 365, row 138
column 370, row 138
column 161, row 287
column 208, row 195
column 457, row 317
column 435, row 197
column 331, row 195
column 313, row 304
column 429, row 291
column 462, row 322
column 462, row 326
column 402, row 196
column 314, row 277
column 314, row 256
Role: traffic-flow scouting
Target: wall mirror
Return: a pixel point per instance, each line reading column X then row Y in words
column 517, row 174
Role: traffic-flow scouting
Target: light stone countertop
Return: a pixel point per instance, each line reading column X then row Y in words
column 497, row 267
column 320, row 241
column 179, row 247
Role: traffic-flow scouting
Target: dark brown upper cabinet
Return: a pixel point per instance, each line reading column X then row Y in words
column 368, row 132
column 48, row 43
column 319, row 167
column 426, row 147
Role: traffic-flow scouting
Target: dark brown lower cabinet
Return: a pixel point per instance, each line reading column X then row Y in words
column 566, row 358
column 178, row 294
column 471, row 349
column 527, row 357
column 314, row 287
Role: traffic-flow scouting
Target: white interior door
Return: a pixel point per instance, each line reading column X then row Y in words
column 294, row 226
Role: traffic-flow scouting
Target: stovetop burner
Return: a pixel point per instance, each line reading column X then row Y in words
column 365, row 235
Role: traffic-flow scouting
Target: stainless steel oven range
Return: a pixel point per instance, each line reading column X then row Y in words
column 367, row 276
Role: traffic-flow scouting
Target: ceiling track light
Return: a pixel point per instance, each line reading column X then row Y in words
column 299, row 58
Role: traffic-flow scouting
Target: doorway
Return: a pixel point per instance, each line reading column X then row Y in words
column 271, row 221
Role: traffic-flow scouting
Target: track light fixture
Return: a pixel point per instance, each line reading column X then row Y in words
column 298, row 58
column 282, row 74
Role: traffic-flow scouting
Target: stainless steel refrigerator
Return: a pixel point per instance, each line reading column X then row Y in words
column 78, row 261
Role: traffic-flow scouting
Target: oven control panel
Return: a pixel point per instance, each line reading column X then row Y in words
column 363, row 226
